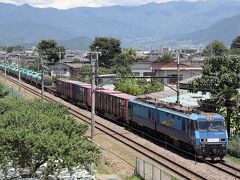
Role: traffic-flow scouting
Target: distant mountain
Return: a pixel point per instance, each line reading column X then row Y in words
column 82, row 43
column 31, row 31
column 150, row 21
column 225, row 30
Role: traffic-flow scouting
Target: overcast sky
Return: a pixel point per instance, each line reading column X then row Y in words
column 65, row 4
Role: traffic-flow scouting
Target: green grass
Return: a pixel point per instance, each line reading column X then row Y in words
column 133, row 178
column 101, row 169
column 233, row 159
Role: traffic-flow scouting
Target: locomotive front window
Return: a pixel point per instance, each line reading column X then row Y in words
column 211, row 125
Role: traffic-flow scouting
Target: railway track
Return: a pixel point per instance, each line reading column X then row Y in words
column 180, row 170
column 227, row 168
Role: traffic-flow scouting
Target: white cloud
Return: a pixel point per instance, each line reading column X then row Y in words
column 65, row 4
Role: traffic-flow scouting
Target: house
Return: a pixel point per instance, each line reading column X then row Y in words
column 141, row 69
column 66, row 70
column 106, row 79
column 184, row 83
column 170, row 70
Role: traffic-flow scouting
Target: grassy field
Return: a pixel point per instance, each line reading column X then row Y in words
column 233, row 159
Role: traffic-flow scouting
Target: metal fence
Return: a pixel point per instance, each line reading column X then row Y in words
column 149, row 171
column 13, row 93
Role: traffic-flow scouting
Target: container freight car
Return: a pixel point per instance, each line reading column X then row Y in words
column 63, row 88
column 102, row 97
column 75, row 91
column 113, row 104
column 119, row 105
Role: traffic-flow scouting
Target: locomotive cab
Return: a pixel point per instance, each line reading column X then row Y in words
column 209, row 136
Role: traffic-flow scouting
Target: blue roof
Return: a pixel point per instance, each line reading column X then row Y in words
column 187, row 99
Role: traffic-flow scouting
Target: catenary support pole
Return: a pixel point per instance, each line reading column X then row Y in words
column 97, row 69
column 5, row 68
column 42, row 79
column 178, row 93
column 19, row 75
column 93, row 97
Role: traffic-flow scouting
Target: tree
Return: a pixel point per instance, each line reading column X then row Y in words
column 138, row 87
column 124, row 61
column 228, row 98
column 220, row 78
column 216, row 48
column 109, row 47
column 130, row 87
column 10, row 49
column 166, row 58
column 34, row 133
column 3, row 92
column 236, row 43
column 49, row 50
column 235, row 47
column 235, row 51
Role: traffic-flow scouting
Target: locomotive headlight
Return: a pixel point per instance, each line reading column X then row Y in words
column 204, row 140
column 222, row 140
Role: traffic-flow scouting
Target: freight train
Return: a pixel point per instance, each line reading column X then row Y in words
column 204, row 133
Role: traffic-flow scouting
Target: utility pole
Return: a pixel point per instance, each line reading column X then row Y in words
column 42, row 78
column 19, row 74
column 94, row 59
column 97, row 69
column 5, row 68
column 178, row 93
column 60, row 60
column 93, row 97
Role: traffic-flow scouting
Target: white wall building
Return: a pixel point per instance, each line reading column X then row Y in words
column 141, row 69
column 66, row 70
column 170, row 70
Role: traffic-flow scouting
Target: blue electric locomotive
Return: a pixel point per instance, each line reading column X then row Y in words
column 205, row 133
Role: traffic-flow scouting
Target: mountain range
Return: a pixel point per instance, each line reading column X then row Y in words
column 225, row 30
column 77, row 27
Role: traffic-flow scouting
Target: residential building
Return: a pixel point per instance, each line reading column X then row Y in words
column 106, row 79
column 184, row 83
column 170, row 70
column 141, row 69
column 164, row 50
column 66, row 70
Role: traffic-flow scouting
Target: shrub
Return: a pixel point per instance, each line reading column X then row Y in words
column 234, row 147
